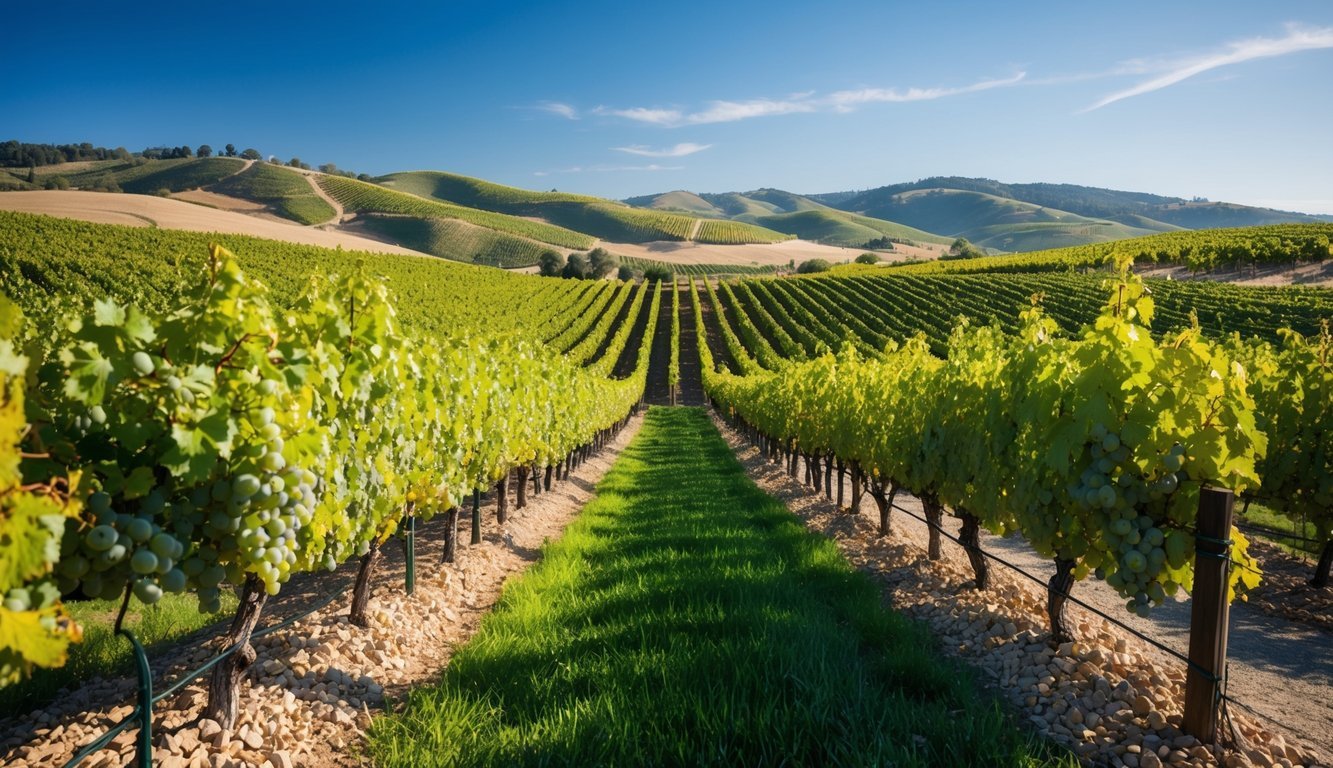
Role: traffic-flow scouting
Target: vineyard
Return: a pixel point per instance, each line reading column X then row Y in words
column 735, row 233
column 222, row 421
column 695, row 270
column 363, row 197
column 287, row 192
column 457, row 240
column 1199, row 250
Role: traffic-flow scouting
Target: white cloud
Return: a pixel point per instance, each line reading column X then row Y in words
column 727, row 111
column 559, row 109
column 845, row 101
column 680, row 150
column 643, row 115
column 731, row 111
column 1297, row 39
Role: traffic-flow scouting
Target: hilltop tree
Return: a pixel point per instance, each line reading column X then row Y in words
column 601, row 262
column 204, row 151
column 552, row 262
column 250, row 154
column 229, row 150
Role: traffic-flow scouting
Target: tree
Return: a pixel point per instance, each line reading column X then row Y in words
column 962, row 249
column 249, row 154
column 329, row 168
column 57, row 182
column 657, row 273
column 813, row 265
column 295, row 162
column 601, row 262
column 184, row 151
column 229, row 150
column 32, row 174
column 551, row 263
column 868, row 258
column 625, row 273
column 576, row 266
column 204, row 151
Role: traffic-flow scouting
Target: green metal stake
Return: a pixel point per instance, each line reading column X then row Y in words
column 476, row 517
column 144, row 750
column 411, row 554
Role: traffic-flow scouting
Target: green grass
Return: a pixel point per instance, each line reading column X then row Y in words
column 102, row 653
column 687, row 618
column 287, row 192
column 1258, row 514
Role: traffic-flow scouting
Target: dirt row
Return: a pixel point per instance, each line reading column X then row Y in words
column 315, row 685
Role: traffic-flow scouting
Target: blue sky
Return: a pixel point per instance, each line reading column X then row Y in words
column 1225, row 100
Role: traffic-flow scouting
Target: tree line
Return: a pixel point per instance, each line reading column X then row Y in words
column 596, row 265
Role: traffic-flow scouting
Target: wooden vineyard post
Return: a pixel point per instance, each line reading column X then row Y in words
column 1209, row 613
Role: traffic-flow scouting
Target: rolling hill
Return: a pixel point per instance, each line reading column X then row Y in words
column 791, row 214
column 603, row 219
column 1129, row 208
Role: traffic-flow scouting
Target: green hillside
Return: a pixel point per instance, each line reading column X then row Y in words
column 287, row 193
column 475, row 193
column 456, row 240
column 364, row 197
column 679, row 201
column 603, row 219
column 825, row 225
column 148, row 177
column 1156, row 212
column 787, row 202
column 997, row 223
column 736, row 205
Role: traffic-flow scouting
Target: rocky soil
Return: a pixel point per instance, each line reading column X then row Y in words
column 315, row 685
column 1110, row 697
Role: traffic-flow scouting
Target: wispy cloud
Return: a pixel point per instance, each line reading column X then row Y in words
column 558, row 108
column 846, row 101
column 1298, row 38
column 610, row 169
column 727, row 111
column 680, row 150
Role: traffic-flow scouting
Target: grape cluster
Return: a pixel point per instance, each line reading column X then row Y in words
column 124, row 547
column 1137, row 550
column 250, row 521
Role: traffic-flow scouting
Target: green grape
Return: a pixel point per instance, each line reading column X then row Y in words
column 147, row 591
column 144, row 562
column 101, row 538
column 142, row 363
column 174, row 580
column 139, row 530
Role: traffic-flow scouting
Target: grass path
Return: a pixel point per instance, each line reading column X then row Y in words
column 687, row 618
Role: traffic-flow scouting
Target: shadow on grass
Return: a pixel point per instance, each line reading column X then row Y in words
column 687, row 618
